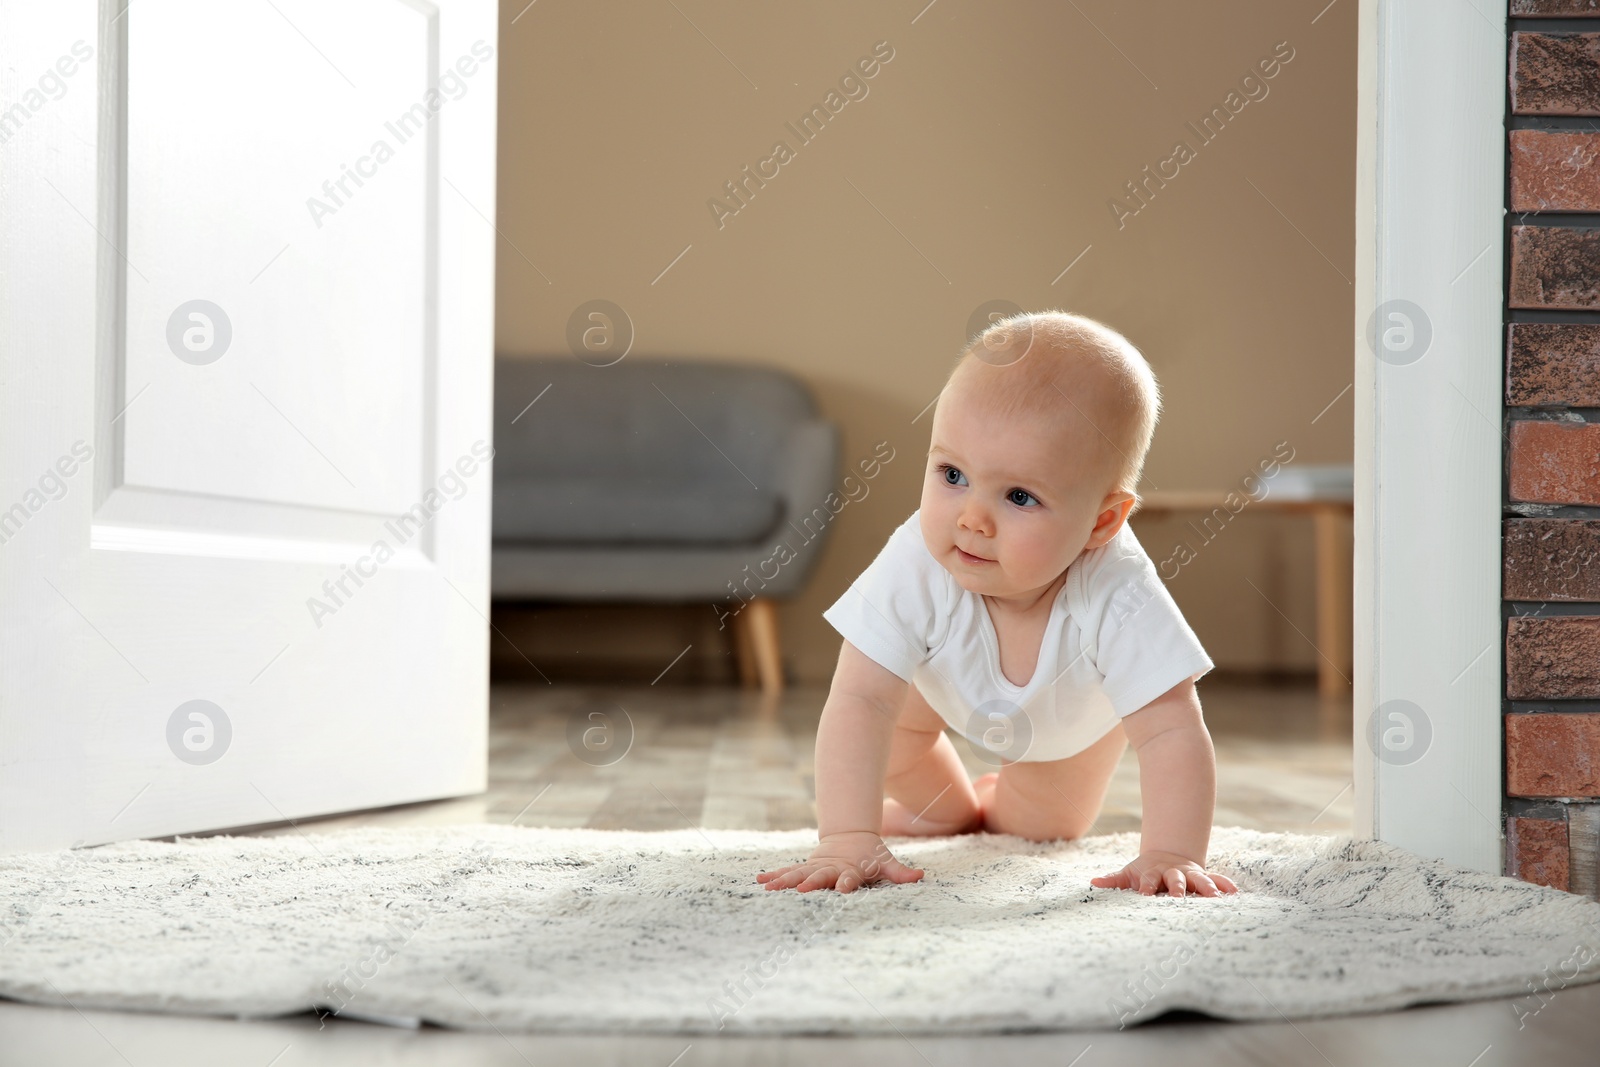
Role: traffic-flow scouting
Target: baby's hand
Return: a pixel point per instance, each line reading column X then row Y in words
column 844, row 862
column 1179, row 874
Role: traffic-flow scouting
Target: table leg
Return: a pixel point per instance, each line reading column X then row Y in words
column 1333, row 642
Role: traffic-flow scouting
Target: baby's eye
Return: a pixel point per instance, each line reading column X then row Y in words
column 951, row 475
column 1020, row 498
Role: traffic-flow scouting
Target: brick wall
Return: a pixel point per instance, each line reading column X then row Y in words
column 1551, row 529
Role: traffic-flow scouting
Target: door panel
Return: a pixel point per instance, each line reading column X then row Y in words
column 217, row 189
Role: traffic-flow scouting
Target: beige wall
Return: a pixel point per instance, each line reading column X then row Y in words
column 988, row 147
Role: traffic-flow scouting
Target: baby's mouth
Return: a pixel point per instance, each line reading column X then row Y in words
column 968, row 557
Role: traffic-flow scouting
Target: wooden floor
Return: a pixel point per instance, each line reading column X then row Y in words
column 724, row 758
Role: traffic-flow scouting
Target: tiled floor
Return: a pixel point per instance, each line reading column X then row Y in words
column 667, row 758
column 715, row 757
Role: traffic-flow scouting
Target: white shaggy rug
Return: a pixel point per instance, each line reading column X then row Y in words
column 553, row 929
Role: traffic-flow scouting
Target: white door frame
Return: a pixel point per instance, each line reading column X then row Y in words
column 1430, row 179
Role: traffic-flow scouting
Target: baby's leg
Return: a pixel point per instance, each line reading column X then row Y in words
column 1054, row 799
column 927, row 789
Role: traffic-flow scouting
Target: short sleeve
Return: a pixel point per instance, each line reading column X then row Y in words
column 1142, row 644
column 892, row 612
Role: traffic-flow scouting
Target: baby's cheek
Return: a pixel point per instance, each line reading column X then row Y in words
column 1033, row 558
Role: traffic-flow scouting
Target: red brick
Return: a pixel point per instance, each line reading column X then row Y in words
column 1554, row 462
column 1555, row 73
column 1553, row 754
column 1555, row 267
column 1554, row 657
column 1554, row 9
column 1554, row 171
column 1551, row 559
column 1537, row 851
column 1553, row 364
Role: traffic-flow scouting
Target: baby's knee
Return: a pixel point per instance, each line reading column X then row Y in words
column 1069, row 829
column 1011, row 813
column 1048, row 830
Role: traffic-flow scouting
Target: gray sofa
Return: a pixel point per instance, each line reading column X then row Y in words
column 659, row 480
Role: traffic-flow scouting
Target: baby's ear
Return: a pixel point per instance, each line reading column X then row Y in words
column 1113, row 515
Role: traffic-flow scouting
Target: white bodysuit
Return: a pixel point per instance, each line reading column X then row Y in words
column 1115, row 641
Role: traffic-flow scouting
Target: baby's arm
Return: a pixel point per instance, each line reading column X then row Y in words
column 1178, row 782
column 852, row 758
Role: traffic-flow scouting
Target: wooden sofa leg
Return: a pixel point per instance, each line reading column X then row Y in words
column 744, row 650
column 762, row 627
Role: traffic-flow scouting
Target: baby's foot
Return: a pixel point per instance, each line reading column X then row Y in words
column 901, row 821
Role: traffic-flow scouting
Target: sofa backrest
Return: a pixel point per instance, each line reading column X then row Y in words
column 673, row 419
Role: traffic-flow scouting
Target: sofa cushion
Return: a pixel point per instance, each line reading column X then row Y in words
column 619, row 510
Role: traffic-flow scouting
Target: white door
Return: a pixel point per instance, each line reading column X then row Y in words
column 247, row 322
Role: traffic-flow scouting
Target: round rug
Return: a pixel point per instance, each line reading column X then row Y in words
column 603, row 930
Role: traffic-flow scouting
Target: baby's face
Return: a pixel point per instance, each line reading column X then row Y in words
column 1008, row 503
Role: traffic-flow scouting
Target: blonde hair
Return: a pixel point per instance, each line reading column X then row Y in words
column 1051, row 359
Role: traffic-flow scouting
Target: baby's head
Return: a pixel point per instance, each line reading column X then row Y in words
column 1039, row 440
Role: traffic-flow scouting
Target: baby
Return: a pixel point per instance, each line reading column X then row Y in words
column 1016, row 607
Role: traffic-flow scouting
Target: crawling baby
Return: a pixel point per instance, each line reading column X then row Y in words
column 1016, row 607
